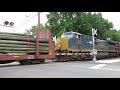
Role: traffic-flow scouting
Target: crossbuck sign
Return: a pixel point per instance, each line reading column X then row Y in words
column 94, row 51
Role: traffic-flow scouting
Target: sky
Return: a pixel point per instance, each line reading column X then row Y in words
column 113, row 17
column 24, row 20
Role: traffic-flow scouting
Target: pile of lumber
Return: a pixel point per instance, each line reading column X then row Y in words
column 21, row 43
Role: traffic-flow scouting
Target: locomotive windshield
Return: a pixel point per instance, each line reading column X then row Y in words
column 68, row 35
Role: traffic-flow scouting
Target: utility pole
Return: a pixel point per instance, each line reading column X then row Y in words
column 38, row 20
column 94, row 50
column 37, row 36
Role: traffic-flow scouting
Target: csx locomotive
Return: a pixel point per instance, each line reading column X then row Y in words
column 73, row 45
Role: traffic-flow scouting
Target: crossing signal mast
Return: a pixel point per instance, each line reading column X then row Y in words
column 94, row 51
column 7, row 24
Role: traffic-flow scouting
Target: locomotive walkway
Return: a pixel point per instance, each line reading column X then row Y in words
column 74, row 69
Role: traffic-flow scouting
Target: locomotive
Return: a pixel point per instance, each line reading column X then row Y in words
column 76, row 46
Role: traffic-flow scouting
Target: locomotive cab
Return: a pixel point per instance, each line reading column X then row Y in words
column 67, row 41
column 71, row 35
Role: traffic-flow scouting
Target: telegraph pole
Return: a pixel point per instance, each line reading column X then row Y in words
column 37, row 36
column 38, row 20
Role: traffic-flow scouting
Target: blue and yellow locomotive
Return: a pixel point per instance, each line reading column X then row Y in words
column 79, row 43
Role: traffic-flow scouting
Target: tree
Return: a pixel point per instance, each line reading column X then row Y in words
column 81, row 22
column 33, row 29
column 113, row 34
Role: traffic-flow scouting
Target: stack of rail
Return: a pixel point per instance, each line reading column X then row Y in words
column 21, row 44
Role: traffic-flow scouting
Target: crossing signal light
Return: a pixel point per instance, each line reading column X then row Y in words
column 11, row 24
column 6, row 23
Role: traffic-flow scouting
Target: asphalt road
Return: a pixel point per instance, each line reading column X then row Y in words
column 73, row 69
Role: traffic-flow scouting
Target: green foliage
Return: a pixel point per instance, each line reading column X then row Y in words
column 113, row 34
column 81, row 22
column 33, row 29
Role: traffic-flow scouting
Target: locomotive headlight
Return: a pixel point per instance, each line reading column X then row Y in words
column 90, row 42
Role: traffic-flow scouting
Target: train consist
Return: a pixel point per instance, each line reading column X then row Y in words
column 76, row 46
column 27, row 49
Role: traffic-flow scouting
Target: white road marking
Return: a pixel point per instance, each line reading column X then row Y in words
column 108, row 61
column 108, row 69
column 101, row 65
column 98, row 66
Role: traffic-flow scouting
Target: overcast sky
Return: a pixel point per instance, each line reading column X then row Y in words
column 24, row 20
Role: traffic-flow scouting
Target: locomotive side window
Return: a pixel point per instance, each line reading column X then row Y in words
column 78, row 36
column 69, row 35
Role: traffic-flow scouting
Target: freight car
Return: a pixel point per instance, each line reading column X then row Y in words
column 76, row 46
column 26, row 49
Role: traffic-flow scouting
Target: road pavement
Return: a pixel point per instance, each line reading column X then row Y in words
column 109, row 68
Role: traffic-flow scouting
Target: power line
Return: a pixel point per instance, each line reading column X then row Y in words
column 30, row 19
column 26, row 22
column 27, row 18
column 23, row 21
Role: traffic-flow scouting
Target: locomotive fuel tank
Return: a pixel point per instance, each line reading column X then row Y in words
column 61, row 44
